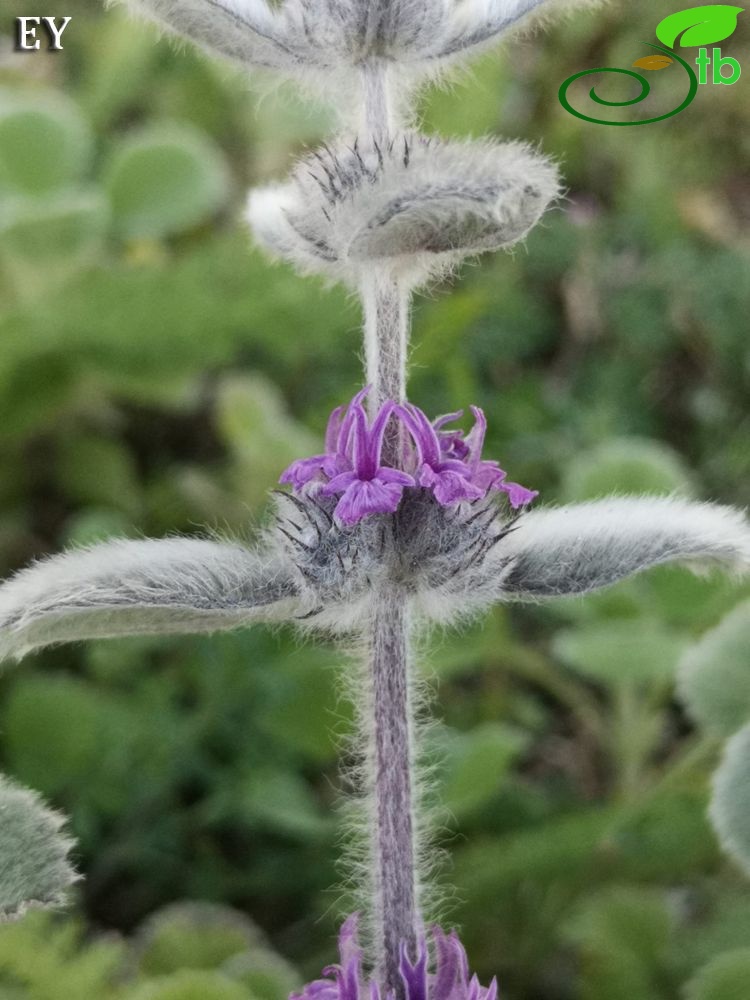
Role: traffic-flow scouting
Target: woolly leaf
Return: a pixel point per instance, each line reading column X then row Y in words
column 126, row 587
column 726, row 977
column 714, row 674
column 424, row 202
column 45, row 144
column 163, row 181
column 581, row 547
column 730, row 800
column 35, row 868
column 703, row 25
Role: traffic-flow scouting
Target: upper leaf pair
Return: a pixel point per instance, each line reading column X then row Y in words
column 447, row 563
column 325, row 38
column 417, row 205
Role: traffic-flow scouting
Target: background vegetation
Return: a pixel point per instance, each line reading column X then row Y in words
column 156, row 375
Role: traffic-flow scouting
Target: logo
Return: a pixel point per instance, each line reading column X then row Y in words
column 697, row 27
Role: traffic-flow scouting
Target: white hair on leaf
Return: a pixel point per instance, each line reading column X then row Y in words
column 174, row 585
column 575, row 549
column 35, row 866
column 419, row 205
column 472, row 23
column 248, row 32
column 331, row 39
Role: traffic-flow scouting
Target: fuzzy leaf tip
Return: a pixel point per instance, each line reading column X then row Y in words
column 35, row 867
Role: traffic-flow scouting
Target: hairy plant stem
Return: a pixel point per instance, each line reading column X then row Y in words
column 390, row 765
column 389, row 727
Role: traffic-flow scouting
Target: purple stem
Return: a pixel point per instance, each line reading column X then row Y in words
column 391, row 767
column 389, row 727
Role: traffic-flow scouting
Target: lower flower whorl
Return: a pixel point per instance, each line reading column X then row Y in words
column 448, row 980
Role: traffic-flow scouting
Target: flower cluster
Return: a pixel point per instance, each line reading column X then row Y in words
column 430, row 456
column 450, row 980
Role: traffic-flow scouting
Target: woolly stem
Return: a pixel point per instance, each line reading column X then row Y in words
column 386, row 315
column 388, row 725
column 390, row 768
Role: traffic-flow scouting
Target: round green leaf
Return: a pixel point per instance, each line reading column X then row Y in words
column 714, row 674
column 45, row 144
column 703, row 25
column 193, row 936
column 625, row 466
column 726, row 977
column 63, row 228
column 191, row 985
column 267, row 975
column 163, row 181
column 730, row 800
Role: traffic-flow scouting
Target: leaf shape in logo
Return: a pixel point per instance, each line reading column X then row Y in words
column 653, row 62
column 704, row 25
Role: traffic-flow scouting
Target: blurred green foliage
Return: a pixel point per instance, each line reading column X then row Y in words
column 156, row 374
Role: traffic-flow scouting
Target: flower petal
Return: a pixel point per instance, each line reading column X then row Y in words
column 518, row 495
column 368, row 497
column 304, row 470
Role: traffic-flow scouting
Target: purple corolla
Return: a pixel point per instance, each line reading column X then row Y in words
column 443, row 461
column 450, row 979
column 368, row 487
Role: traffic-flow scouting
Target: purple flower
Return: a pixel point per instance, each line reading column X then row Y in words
column 452, row 444
column 449, row 981
column 368, row 487
column 335, row 459
column 443, row 461
column 487, row 474
column 448, row 478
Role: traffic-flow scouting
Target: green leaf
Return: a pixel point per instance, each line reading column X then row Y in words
column 634, row 918
column 267, row 975
column 34, row 865
column 621, row 652
column 253, row 420
column 51, row 754
column 703, row 25
column 730, row 800
column 48, row 960
column 714, row 674
column 55, row 227
column 625, row 466
column 192, row 936
column 94, row 470
column 45, row 144
column 164, row 180
column 726, row 977
column 477, row 763
column 191, row 985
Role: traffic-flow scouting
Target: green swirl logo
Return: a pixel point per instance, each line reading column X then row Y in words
column 698, row 26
